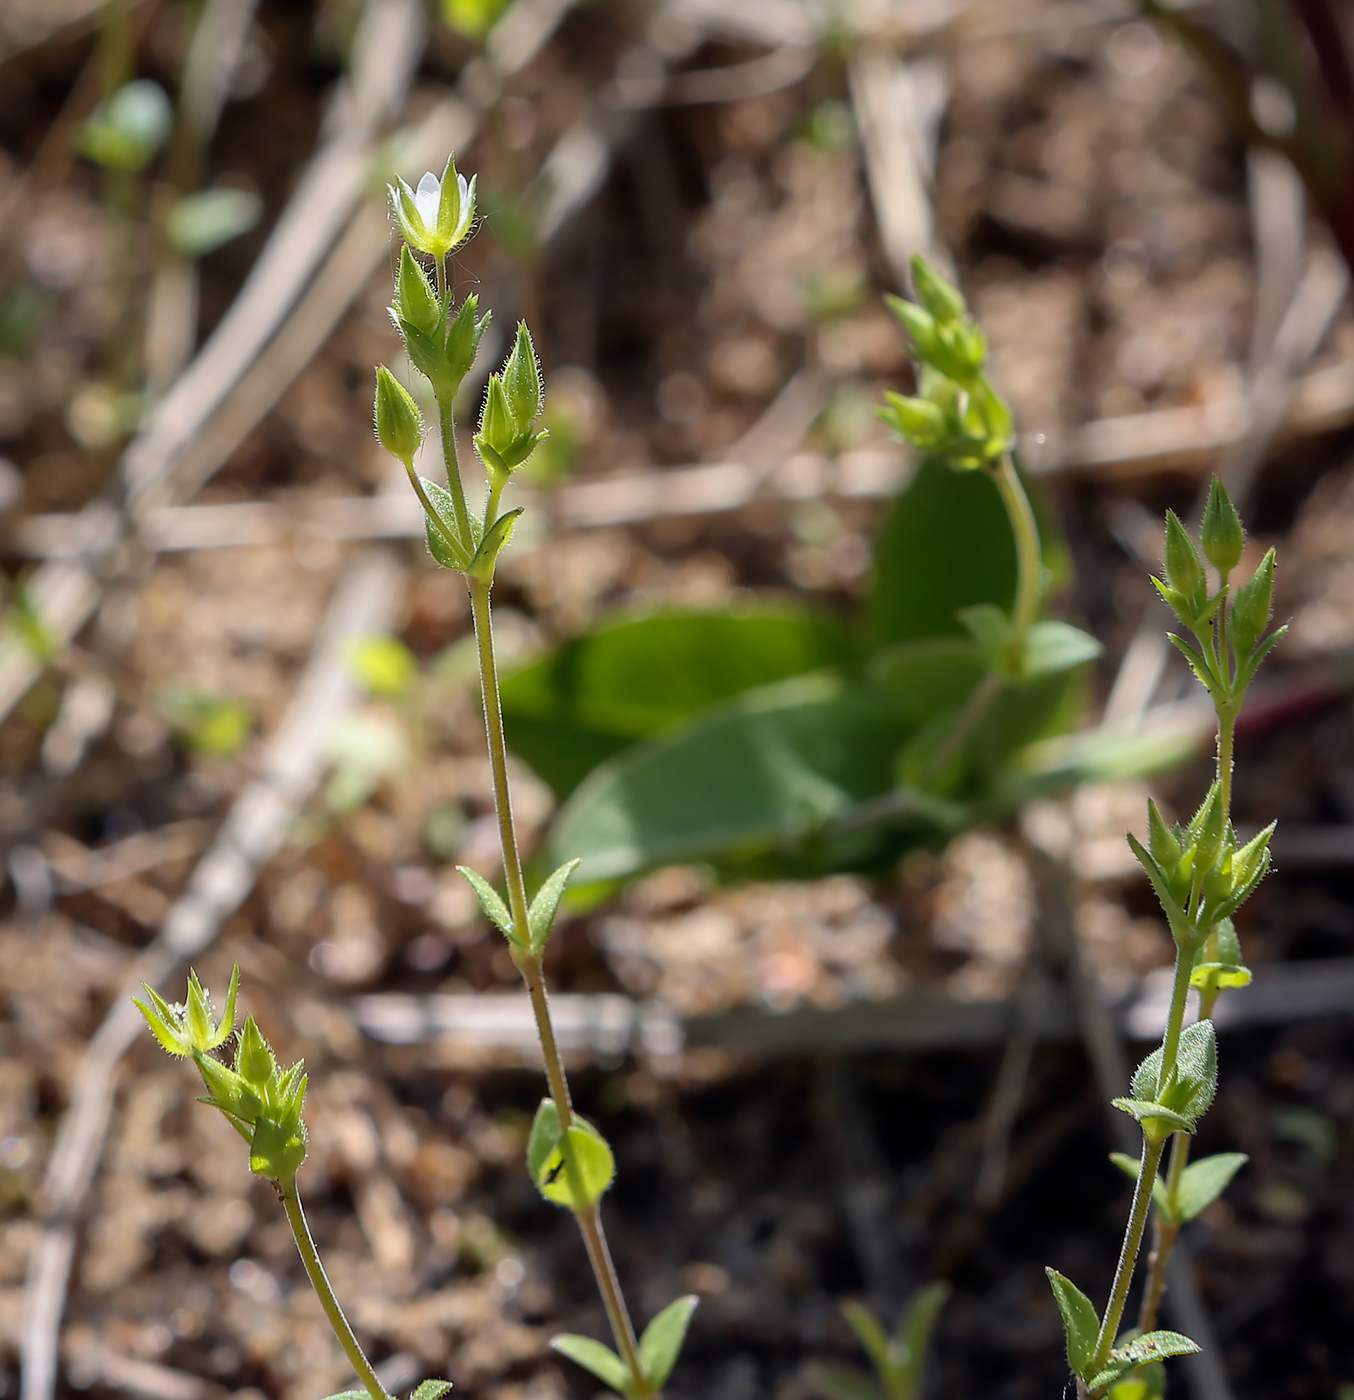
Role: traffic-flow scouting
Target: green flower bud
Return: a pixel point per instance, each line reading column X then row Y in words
column 1251, row 607
column 255, row 1062
column 522, row 380
column 438, row 215
column 1163, row 841
column 1223, row 535
column 1184, row 567
column 917, row 421
column 463, row 337
column 399, row 424
column 919, row 324
column 938, row 296
column 415, row 299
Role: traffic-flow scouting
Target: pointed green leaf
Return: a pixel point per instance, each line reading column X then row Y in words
column 1181, row 928
column 492, row 903
column 1202, row 1182
column 495, row 540
column 541, row 916
column 350, row 1395
column 661, row 1343
column 430, row 1390
column 444, row 539
column 596, row 1357
column 163, row 1023
column 916, row 1327
column 872, row 1337
column 1141, row 1351
column 1054, row 646
column 1157, row 1120
column 1081, row 1322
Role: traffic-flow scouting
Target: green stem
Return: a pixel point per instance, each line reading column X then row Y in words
column 529, row 964
column 319, row 1281
column 1029, row 589
column 1226, row 744
column 1166, row 1234
column 1128, row 1254
column 1175, row 1017
column 453, row 466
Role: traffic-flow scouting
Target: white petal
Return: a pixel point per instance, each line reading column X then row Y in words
column 427, row 197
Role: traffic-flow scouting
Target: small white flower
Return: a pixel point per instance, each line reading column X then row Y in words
column 438, row 215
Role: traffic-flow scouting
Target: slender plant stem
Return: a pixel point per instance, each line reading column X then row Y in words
column 1226, row 744
column 319, row 1281
column 1029, row 588
column 453, row 466
column 1164, row 1236
column 529, row 964
column 1128, row 1254
column 1175, row 1017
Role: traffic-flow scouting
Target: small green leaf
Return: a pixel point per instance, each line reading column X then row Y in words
column 495, row 540
column 662, row 1341
column 1218, row 976
column 1081, row 1322
column 834, row 1382
column 1140, row 1351
column 492, row 903
column 1053, row 646
column 541, row 916
column 430, row 1390
column 349, row 1395
column 990, row 627
column 596, row 1357
column 579, row 1183
column 1202, row 1182
column 1181, row 928
column 445, row 544
column 544, row 1137
column 1149, row 1113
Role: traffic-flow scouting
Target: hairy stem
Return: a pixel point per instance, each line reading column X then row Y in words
column 1128, row 1254
column 529, row 964
column 453, row 466
column 319, row 1281
column 1166, row 1232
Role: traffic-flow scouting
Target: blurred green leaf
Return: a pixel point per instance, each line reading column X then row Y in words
column 382, row 666
column 758, row 775
column 572, row 710
column 126, row 131
column 200, row 223
column 210, row 726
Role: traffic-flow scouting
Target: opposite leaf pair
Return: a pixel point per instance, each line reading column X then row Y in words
column 659, row 1346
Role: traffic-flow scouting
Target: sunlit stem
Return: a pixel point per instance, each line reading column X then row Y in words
column 1128, row 1254
column 529, row 964
column 319, row 1281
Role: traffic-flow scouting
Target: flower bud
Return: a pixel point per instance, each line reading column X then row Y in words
column 1251, row 607
column 1162, row 840
column 1223, row 535
column 522, row 380
column 415, row 300
column 254, row 1059
column 399, row 424
column 938, row 296
column 463, row 337
column 1184, row 568
column 917, row 421
column 919, row 324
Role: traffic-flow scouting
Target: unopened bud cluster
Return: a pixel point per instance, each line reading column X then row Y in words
column 442, row 343
column 260, row 1099
column 956, row 415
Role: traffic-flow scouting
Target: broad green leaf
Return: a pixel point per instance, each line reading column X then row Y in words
column 834, row 1382
column 577, row 1170
column 634, row 677
column 928, row 677
column 661, row 1343
column 430, row 1390
column 541, row 915
column 450, row 555
column 1057, row 646
column 596, row 1357
column 1140, row 1351
column 491, row 902
column 757, row 776
column 1081, row 1322
column 946, row 545
column 1202, row 1182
